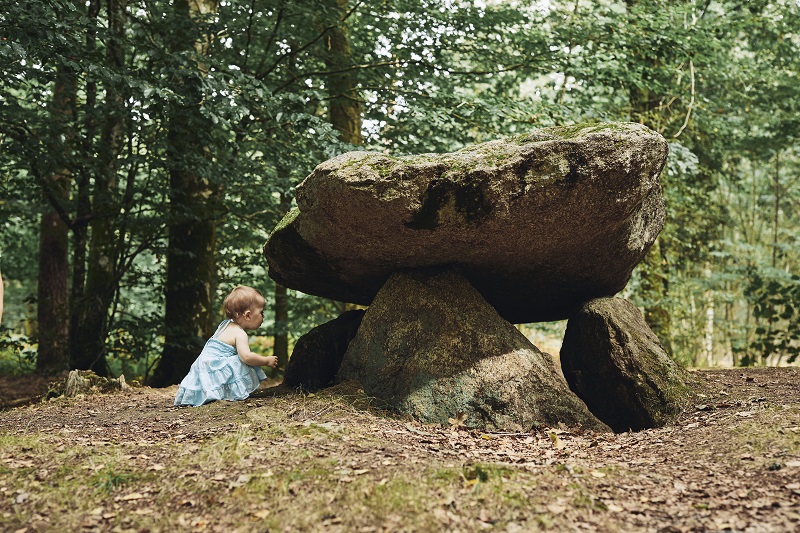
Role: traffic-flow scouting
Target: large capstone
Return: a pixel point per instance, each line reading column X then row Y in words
column 537, row 223
column 615, row 363
column 431, row 347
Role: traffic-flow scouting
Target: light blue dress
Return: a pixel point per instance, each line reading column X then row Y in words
column 218, row 374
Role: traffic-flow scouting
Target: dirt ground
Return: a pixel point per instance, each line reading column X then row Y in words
column 289, row 461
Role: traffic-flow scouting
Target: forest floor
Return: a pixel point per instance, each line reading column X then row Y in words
column 290, row 461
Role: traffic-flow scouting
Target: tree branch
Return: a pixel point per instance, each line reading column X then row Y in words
column 401, row 63
column 309, row 44
column 691, row 101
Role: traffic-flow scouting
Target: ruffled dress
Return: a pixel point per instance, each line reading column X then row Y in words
column 218, row 374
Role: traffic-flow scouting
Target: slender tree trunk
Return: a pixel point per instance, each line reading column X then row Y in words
column 83, row 208
column 88, row 347
column 281, row 338
column 280, row 346
column 776, row 187
column 708, row 338
column 654, row 269
column 655, row 291
column 53, row 303
column 194, row 203
column 344, row 108
column 53, row 294
column 776, row 210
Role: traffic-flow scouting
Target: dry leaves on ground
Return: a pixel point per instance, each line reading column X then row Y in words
column 331, row 462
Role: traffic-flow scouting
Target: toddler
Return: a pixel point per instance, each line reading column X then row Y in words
column 226, row 369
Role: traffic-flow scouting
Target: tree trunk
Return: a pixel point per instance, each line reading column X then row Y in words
column 83, row 204
column 280, row 345
column 53, row 303
column 344, row 109
column 88, row 346
column 654, row 270
column 53, row 294
column 280, row 348
column 708, row 337
column 654, row 291
column 191, row 266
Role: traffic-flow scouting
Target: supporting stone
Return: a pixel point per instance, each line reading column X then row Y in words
column 615, row 363
column 432, row 347
column 317, row 354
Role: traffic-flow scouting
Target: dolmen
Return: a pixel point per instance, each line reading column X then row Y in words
column 450, row 250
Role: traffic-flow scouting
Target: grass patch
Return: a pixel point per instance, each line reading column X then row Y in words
column 766, row 433
column 109, row 479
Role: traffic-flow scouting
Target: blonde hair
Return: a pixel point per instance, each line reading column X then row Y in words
column 241, row 299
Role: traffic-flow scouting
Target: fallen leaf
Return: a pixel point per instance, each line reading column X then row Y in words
column 131, row 496
column 414, row 430
column 458, row 420
column 243, row 479
column 555, row 508
column 441, row 516
column 199, row 524
column 597, row 474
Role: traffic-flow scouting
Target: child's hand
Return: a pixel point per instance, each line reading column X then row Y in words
column 272, row 361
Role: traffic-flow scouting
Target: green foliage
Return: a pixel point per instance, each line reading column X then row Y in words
column 776, row 306
column 17, row 355
column 108, row 480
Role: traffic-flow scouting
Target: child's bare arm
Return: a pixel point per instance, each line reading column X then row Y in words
column 248, row 356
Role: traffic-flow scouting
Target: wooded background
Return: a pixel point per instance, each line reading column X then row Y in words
column 148, row 147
